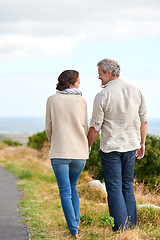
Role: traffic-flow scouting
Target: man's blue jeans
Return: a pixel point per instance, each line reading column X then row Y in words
column 67, row 172
column 118, row 172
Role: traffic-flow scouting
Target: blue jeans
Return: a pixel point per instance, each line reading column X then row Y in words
column 118, row 172
column 67, row 172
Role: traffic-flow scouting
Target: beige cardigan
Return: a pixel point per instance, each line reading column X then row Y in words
column 67, row 126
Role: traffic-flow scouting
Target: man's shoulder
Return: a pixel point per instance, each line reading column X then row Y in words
column 123, row 84
column 133, row 87
column 100, row 94
column 126, row 83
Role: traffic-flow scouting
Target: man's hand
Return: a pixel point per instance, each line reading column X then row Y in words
column 140, row 152
column 92, row 135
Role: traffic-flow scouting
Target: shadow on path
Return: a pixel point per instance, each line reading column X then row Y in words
column 11, row 227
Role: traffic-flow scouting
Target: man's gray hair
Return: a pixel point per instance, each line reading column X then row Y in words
column 110, row 65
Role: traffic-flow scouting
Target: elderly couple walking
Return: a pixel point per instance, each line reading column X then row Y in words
column 119, row 111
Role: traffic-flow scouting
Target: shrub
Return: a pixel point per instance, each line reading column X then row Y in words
column 147, row 169
column 37, row 140
column 11, row 143
column 93, row 165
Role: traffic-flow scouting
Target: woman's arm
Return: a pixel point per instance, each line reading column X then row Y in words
column 48, row 124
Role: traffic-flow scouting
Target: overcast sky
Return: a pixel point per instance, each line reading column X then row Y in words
column 39, row 39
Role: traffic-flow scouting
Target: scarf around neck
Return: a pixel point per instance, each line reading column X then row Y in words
column 74, row 91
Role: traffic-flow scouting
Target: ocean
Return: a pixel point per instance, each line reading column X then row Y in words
column 31, row 125
column 22, row 127
column 154, row 126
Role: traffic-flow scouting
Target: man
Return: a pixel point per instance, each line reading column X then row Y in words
column 119, row 111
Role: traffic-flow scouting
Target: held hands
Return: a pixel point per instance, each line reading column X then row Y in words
column 140, row 152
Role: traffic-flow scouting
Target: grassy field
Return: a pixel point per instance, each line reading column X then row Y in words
column 41, row 205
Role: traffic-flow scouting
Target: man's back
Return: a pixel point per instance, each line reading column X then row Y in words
column 123, row 109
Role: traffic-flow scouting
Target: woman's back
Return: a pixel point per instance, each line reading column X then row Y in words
column 67, row 126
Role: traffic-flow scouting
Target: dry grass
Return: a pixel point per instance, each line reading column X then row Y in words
column 48, row 221
column 144, row 195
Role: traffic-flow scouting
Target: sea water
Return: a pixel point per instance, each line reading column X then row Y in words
column 21, row 125
column 32, row 125
column 154, row 126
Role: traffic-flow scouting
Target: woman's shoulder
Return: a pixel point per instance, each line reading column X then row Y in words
column 53, row 96
column 76, row 98
column 66, row 98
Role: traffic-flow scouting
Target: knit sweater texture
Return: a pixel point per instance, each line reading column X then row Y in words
column 67, row 126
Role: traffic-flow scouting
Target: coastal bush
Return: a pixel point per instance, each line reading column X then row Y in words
column 11, row 143
column 93, row 165
column 147, row 169
column 37, row 140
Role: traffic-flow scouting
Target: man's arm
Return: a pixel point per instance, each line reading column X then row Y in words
column 140, row 152
column 92, row 135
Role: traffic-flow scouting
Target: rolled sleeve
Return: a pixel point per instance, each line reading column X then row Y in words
column 97, row 114
column 143, row 110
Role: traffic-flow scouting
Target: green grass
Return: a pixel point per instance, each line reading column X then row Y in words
column 28, row 174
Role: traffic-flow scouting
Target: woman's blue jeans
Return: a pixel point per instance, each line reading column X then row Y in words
column 118, row 172
column 67, row 172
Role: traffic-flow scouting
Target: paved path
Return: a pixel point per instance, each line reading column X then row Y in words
column 11, row 227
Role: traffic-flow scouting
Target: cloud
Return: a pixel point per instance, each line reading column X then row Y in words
column 57, row 27
column 17, row 45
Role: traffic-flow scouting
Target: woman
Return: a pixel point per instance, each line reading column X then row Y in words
column 67, row 129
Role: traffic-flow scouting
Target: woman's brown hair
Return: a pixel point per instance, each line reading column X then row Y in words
column 67, row 78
